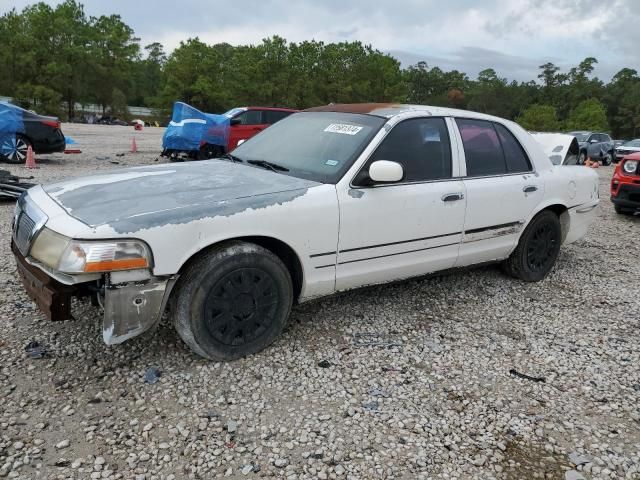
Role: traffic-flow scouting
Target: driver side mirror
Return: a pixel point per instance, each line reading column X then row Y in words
column 235, row 121
column 386, row 171
column 593, row 140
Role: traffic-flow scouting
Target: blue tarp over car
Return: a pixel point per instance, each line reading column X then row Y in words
column 190, row 128
column 10, row 122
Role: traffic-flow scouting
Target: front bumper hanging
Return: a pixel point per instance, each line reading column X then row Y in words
column 130, row 307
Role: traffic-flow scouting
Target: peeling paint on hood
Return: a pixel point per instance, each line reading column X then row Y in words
column 133, row 199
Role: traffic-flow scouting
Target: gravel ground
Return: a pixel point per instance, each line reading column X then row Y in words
column 412, row 380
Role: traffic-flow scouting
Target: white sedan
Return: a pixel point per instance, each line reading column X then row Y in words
column 329, row 199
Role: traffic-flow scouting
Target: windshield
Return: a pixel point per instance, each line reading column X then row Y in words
column 317, row 146
column 581, row 136
column 234, row 111
column 633, row 143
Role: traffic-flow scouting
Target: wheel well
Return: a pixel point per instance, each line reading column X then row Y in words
column 283, row 251
column 563, row 215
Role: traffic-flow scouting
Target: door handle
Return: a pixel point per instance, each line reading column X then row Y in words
column 529, row 189
column 452, row 197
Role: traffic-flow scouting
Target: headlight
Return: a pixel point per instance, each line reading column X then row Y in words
column 84, row 256
column 630, row 166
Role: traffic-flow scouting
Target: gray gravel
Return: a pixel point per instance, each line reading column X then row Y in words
column 404, row 381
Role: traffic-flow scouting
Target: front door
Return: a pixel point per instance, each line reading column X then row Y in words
column 502, row 191
column 250, row 122
column 404, row 229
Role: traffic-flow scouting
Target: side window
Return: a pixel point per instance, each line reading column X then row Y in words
column 606, row 138
column 250, row 117
column 517, row 160
column 421, row 146
column 482, row 149
column 272, row 116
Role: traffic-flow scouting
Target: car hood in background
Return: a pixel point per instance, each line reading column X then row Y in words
column 137, row 198
column 557, row 146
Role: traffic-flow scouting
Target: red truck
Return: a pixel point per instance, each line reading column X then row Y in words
column 625, row 185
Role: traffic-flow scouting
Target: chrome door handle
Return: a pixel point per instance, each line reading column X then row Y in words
column 452, row 197
column 529, row 189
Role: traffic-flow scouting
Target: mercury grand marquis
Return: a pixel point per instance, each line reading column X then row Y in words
column 329, row 199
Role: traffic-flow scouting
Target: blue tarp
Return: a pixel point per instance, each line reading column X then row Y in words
column 190, row 128
column 10, row 124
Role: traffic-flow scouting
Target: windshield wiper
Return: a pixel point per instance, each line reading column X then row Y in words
column 233, row 158
column 270, row 165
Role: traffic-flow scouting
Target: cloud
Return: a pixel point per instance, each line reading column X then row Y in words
column 512, row 36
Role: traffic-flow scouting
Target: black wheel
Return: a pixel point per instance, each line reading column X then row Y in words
column 582, row 158
column 607, row 159
column 13, row 149
column 233, row 301
column 208, row 151
column 537, row 249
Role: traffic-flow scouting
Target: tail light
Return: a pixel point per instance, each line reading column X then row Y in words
column 51, row 123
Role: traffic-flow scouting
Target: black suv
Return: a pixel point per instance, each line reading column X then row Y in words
column 597, row 146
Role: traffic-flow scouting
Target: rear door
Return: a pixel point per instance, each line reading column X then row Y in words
column 502, row 190
column 250, row 123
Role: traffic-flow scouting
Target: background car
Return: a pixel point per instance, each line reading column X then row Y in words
column 596, row 145
column 562, row 149
column 627, row 148
column 248, row 121
column 619, row 142
column 197, row 135
column 21, row 129
column 625, row 185
column 109, row 120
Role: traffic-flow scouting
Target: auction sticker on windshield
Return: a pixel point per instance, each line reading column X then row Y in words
column 343, row 128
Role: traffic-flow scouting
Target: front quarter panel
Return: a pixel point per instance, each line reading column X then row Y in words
column 306, row 220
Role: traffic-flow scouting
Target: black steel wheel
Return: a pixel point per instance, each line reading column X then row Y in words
column 537, row 250
column 233, row 301
column 241, row 306
column 13, row 148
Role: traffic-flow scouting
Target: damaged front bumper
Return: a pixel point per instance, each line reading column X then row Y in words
column 133, row 302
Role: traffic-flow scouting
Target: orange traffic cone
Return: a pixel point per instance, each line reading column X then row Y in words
column 31, row 159
column 134, row 147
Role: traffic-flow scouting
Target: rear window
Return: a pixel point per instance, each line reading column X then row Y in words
column 491, row 149
column 273, row 116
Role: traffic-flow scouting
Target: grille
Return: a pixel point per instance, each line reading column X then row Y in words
column 24, row 231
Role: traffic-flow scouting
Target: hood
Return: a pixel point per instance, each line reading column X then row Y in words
column 138, row 198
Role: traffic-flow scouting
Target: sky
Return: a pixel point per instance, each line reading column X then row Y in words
column 512, row 36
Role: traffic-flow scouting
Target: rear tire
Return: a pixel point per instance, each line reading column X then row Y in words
column 537, row 250
column 233, row 301
column 14, row 150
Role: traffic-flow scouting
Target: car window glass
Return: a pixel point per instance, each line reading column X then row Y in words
column 515, row 155
column 421, row 146
column 606, row 138
column 250, row 117
column 272, row 116
column 482, row 149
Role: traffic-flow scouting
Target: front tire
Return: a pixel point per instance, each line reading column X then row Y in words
column 233, row 301
column 14, row 149
column 537, row 250
column 582, row 158
column 607, row 159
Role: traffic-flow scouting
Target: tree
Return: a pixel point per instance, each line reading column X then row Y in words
column 588, row 115
column 539, row 118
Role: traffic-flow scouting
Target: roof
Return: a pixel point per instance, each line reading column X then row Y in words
column 388, row 110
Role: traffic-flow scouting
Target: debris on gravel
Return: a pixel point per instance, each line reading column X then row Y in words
column 410, row 381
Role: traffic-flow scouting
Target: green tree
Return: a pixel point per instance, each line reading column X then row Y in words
column 588, row 115
column 539, row 118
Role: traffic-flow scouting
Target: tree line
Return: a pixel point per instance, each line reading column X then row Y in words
column 55, row 57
